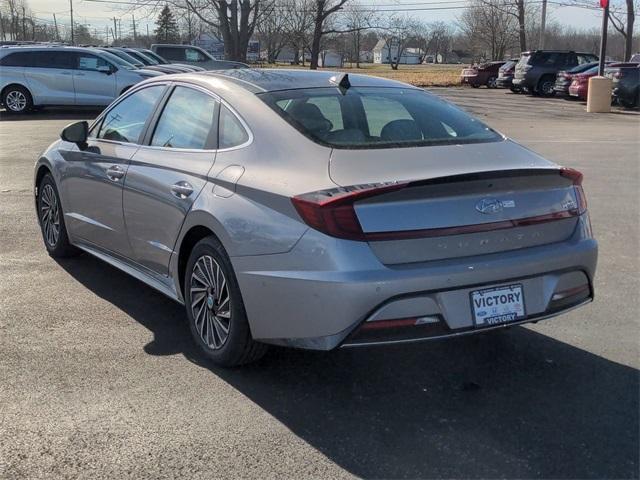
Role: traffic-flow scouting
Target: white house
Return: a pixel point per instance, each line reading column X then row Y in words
column 384, row 52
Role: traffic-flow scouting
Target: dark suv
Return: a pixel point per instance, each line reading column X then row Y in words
column 536, row 70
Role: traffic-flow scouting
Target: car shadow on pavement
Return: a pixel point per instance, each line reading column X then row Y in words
column 52, row 114
column 511, row 404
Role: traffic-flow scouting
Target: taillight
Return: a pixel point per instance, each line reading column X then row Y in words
column 332, row 211
column 576, row 178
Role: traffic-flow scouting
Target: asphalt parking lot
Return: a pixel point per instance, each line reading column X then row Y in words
column 99, row 377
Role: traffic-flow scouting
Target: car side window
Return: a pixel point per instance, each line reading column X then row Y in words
column 582, row 59
column 231, row 131
column 51, row 59
column 126, row 120
column 171, row 53
column 194, row 55
column 86, row 61
column 17, row 59
column 187, row 121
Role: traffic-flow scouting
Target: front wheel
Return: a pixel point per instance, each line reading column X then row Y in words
column 17, row 99
column 492, row 82
column 217, row 318
column 51, row 217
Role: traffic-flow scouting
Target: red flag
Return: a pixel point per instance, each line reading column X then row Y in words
column 604, row 3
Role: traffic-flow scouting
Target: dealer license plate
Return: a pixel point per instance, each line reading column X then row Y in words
column 497, row 305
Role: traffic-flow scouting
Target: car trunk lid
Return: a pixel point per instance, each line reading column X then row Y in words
column 454, row 203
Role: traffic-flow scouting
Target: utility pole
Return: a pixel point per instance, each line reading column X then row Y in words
column 120, row 29
column 603, row 40
column 24, row 25
column 543, row 24
column 2, row 28
column 73, row 39
column 106, row 30
column 55, row 23
column 115, row 30
column 133, row 19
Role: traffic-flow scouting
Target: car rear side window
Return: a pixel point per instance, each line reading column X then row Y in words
column 171, row 53
column 125, row 121
column 378, row 118
column 232, row 133
column 17, row 59
column 187, row 121
column 46, row 59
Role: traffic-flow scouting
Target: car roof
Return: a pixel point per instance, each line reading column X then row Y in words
column 258, row 80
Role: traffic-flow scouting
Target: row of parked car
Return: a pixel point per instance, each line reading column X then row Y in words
column 35, row 75
column 551, row 72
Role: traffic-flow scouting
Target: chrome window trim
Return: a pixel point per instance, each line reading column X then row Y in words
column 219, row 99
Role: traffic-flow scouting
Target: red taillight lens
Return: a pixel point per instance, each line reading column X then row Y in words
column 576, row 177
column 332, row 211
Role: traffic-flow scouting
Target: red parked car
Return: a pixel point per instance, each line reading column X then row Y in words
column 484, row 74
column 580, row 83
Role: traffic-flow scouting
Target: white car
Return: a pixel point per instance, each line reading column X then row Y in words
column 62, row 76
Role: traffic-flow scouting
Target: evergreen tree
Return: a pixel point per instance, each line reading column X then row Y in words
column 167, row 27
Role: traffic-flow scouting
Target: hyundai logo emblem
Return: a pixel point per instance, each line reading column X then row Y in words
column 489, row 205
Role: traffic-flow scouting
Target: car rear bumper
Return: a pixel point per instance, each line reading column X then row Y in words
column 323, row 292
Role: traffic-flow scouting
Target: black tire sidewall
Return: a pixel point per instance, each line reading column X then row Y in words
column 29, row 105
column 239, row 332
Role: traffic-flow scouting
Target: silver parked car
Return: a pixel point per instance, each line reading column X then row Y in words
column 192, row 55
column 37, row 76
column 317, row 210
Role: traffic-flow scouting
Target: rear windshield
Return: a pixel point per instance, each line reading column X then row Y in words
column 374, row 117
column 507, row 66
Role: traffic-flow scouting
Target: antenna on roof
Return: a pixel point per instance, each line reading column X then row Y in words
column 342, row 81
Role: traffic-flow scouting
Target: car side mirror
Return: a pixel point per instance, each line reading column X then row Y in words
column 76, row 133
column 106, row 69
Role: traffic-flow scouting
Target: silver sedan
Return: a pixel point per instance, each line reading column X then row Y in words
column 317, row 210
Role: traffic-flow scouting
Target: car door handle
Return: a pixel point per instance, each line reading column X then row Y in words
column 115, row 173
column 181, row 189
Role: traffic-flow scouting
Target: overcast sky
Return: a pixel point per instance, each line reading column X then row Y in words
column 98, row 15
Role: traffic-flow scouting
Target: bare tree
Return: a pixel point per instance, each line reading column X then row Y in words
column 298, row 20
column 271, row 30
column 324, row 9
column 623, row 21
column 400, row 30
column 489, row 28
column 518, row 10
column 356, row 20
column 234, row 20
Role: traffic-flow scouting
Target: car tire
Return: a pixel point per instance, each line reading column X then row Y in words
column 515, row 89
column 491, row 82
column 215, row 310
column 545, row 87
column 51, row 219
column 17, row 99
column 474, row 85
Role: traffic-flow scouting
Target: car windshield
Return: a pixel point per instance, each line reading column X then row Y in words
column 128, row 58
column 155, row 56
column 374, row 117
column 117, row 60
column 524, row 60
column 148, row 58
column 508, row 65
column 582, row 68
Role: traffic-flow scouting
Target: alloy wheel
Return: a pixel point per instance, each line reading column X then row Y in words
column 210, row 302
column 50, row 215
column 16, row 101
